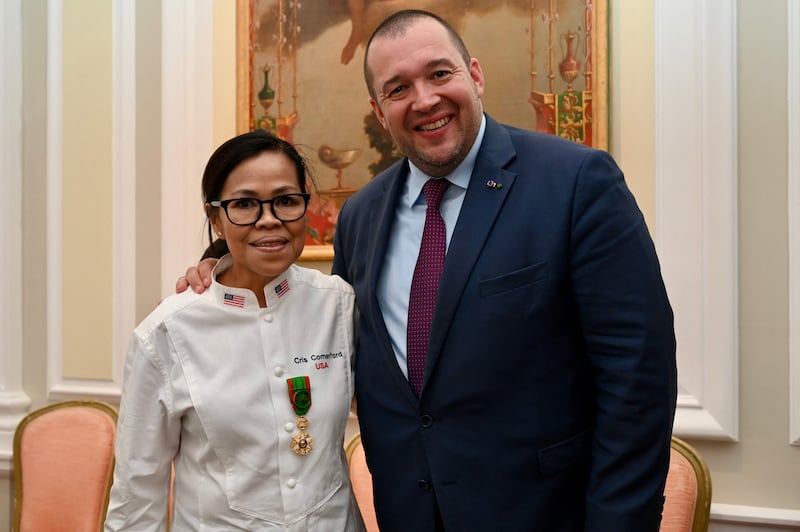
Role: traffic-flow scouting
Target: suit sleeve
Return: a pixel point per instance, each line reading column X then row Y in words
column 627, row 326
column 339, row 267
column 340, row 243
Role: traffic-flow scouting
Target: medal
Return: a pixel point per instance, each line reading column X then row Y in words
column 303, row 442
column 300, row 396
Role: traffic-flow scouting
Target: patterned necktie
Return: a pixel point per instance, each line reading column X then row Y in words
column 425, row 283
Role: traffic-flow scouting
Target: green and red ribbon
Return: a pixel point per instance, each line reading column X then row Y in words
column 300, row 394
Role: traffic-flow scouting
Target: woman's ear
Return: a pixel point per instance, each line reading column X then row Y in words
column 213, row 219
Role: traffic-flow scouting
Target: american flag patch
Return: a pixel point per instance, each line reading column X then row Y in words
column 282, row 288
column 233, row 300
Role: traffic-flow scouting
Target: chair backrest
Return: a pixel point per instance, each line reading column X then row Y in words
column 63, row 467
column 361, row 480
column 687, row 494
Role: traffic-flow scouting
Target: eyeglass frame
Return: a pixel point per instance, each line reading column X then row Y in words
column 224, row 205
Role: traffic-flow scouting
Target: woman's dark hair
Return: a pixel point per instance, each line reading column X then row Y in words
column 228, row 156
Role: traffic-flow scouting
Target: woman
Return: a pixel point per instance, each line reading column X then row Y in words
column 245, row 388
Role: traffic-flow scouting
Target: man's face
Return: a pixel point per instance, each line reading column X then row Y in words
column 426, row 97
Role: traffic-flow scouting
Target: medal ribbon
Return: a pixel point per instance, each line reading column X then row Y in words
column 300, row 394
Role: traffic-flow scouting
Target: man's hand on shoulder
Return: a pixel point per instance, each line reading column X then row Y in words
column 198, row 277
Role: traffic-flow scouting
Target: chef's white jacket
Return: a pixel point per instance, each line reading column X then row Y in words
column 205, row 387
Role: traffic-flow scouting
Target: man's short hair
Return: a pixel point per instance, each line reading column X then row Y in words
column 397, row 24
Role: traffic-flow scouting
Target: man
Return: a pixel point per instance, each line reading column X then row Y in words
column 548, row 391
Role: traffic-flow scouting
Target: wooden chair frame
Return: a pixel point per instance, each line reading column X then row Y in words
column 351, row 445
column 702, row 507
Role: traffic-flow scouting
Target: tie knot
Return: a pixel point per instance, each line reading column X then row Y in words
column 434, row 190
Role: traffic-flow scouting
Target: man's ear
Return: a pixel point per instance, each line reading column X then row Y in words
column 378, row 113
column 476, row 73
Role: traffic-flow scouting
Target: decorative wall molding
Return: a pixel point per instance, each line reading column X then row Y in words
column 55, row 88
column 123, row 199
column 696, row 214
column 14, row 402
column 793, row 152
column 186, row 131
column 774, row 518
column 124, row 170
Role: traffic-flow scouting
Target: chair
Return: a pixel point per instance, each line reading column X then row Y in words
column 688, row 490
column 63, row 467
column 687, row 494
column 361, row 480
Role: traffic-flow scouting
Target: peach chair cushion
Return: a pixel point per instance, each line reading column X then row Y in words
column 680, row 494
column 361, row 479
column 66, row 461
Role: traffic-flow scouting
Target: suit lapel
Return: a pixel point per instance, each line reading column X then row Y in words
column 482, row 205
column 382, row 215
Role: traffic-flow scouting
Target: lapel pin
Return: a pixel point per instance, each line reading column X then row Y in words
column 494, row 184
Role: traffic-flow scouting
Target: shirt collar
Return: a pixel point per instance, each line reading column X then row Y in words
column 460, row 176
column 275, row 291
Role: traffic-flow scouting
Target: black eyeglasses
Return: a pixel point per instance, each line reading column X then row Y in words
column 247, row 211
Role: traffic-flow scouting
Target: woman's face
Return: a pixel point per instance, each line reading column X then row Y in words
column 264, row 250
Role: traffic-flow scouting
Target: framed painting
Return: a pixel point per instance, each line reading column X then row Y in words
column 299, row 74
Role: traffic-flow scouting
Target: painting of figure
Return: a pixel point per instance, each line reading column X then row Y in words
column 300, row 70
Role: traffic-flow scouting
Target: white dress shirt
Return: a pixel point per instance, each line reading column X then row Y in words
column 206, row 387
column 394, row 284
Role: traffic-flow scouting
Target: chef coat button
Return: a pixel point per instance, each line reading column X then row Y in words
column 289, row 426
column 279, row 371
column 268, row 318
column 291, row 483
column 424, row 485
column 425, row 421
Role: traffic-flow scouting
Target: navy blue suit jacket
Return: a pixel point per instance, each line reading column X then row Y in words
column 550, row 385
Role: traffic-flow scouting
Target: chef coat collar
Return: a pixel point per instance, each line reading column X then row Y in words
column 275, row 291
